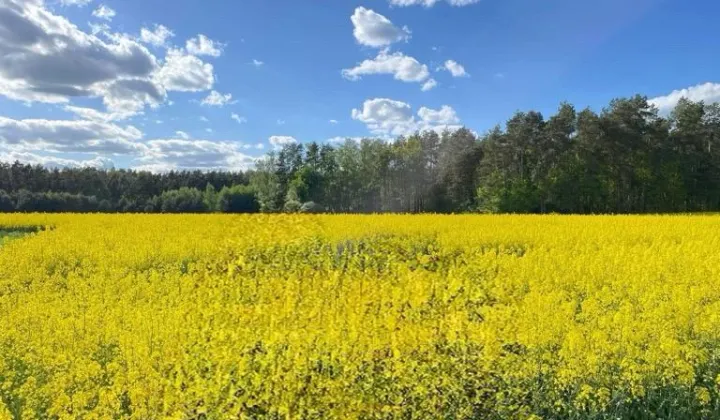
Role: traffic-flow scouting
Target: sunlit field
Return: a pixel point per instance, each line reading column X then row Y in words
column 159, row 316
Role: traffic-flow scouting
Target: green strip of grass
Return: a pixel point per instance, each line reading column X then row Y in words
column 15, row 232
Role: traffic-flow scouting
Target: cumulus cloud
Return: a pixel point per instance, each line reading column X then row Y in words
column 239, row 119
column 69, row 136
column 218, row 99
column 279, row 141
column 444, row 115
column 100, row 28
column 386, row 117
column 93, row 114
column 166, row 154
column 707, row 92
column 80, row 3
column 48, row 59
column 183, row 135
column 157, row 36
column 375, row 30
column 202, row 45
column 104, row 12
column 431, row 3
column 127, row 97
column 455, row 68
column 99, row 162
column 257, row 63
column 185, row 73
column 428, row 85
column 399, row 65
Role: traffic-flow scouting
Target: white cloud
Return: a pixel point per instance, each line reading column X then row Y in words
column 183, row 135
column 157, row 37
column 93, row 114
column 104, row 12
column 127, row 97
column 280, row 122
column 279, row 141
column 239, row 119
column 431, row 3
column 428, row 85
column 210, row 130
column 339, row 140
column 389, row 117
column 154, row 168
column 204, row 119
column 99, row 28
column 375, row 30
column 99, row 162
column 399, row 65
column 385, row 116
column 185, row 73
column 257, row 63
column 216, row 98
column 333, row 121
column 80, row 3
column 444, row 115
column 69, row 136
column 455, row 68
column 707, row 92
column 48, row 59
column 165, row 154
column 202, row 45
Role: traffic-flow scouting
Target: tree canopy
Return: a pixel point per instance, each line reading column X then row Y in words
column 627, row 158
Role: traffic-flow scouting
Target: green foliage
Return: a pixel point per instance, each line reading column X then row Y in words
column 6, row 202
column 211, row 198
column 184, row 200
column 238, row 199
column 26, row 201
column 8, row 233
column 292, row 201
column 266, row 184
column 625, row 159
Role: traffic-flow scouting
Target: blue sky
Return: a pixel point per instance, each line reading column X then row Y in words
column 215, row 84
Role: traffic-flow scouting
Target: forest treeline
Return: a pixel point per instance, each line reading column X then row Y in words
column 625, row 159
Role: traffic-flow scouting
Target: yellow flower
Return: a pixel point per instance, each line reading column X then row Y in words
column 178, row 316
column 702, row 395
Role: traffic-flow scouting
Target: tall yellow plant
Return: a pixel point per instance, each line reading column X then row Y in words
column 218, row 316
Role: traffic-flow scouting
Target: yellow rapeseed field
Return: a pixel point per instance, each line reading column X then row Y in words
column 221, row 317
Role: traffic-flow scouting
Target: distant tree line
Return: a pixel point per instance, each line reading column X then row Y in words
column 28, row 188
column 625, row 159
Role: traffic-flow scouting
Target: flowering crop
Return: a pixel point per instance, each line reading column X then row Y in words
column 218, row 316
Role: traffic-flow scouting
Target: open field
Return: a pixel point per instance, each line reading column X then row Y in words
column 215, row 316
